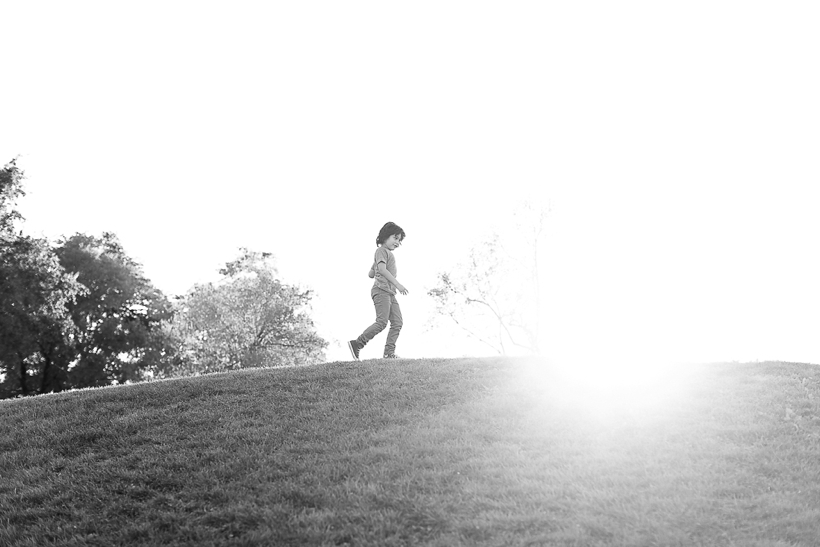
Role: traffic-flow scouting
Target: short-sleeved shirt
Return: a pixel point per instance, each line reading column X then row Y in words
column 383, row 254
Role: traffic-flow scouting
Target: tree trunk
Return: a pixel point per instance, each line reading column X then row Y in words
column 51, row 380
column 46, row 373
column 23, row 375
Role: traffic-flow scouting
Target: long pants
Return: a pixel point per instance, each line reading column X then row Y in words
column 387, row 309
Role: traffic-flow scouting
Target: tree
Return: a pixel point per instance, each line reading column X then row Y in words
column 120, row 319
column 11, row 187
column 494, row 295
column 249, row 319
column 79, row 314
column 35, row 291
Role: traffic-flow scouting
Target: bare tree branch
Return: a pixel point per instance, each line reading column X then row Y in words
column 504, row 282
column 468, row 331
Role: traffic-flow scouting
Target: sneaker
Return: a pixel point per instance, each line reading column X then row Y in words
column 355, row 347
column 391, row 356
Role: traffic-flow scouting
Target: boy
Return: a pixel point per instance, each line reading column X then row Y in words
column 383, row 293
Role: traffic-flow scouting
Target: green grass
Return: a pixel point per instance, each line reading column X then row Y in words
column 491, row 451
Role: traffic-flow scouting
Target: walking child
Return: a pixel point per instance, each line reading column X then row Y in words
column 383, row 293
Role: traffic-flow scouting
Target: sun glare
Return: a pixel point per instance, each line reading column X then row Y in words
column 606, row 389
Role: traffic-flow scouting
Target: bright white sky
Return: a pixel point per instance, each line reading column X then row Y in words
column 678, row 143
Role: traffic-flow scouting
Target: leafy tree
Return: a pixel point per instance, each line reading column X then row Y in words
column 249, row 319
column 34, row 293
column 11, row 187
column 78, row 315
column 120, row 319
column 494, row 294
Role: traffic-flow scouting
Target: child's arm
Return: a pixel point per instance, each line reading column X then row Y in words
column 390, row 278
column 372, row 273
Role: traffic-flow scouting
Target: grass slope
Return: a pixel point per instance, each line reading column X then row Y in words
column 454, row 452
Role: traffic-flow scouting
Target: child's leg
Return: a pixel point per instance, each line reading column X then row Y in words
column 382, row 303
column 395, row 326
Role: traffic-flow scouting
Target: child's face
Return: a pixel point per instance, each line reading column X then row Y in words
column 393, row 242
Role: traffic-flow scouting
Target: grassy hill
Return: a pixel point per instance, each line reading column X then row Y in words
column 491, row 451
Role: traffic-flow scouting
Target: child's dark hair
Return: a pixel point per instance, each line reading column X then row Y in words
column 389, row 229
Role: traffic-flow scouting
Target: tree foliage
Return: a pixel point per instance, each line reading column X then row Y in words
column 34, row 293
column 120, row 319
column 493, row 295
column 77, row 314
column 11, row 188
column 80, row 313
column 249, row 319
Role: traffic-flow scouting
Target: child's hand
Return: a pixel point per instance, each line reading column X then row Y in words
column 401, row 288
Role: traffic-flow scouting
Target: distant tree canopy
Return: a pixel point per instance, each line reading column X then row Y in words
column 118, row 317
column 80, row 313
column 248, row 319
column 11, row 187
column 34, row 293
